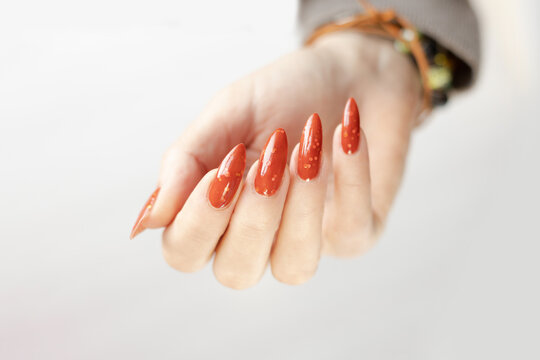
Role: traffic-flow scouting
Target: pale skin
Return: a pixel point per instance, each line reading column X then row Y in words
column 340, row 213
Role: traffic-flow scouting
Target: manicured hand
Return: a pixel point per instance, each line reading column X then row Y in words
column 346, row 163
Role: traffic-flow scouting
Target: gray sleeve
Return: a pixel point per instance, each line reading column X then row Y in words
column 452, row 23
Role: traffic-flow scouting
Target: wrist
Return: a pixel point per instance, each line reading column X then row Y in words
column 359, row 59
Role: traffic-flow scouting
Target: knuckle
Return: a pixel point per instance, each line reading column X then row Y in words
column 355, row 185
column 349, row 244
column 292, row 276
column 185, row 251
column 181, row 263
column 233, row 280
column 169, row 153
column 256, row 228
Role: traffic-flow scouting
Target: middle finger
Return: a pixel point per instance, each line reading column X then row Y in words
column 242, row 254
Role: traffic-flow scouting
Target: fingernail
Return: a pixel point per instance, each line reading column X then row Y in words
column 228, row 177
column 350, row 128
column 309, row 155
column 272, row 164
column 139, row 223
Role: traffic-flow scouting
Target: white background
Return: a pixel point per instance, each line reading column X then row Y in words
column 92, row 93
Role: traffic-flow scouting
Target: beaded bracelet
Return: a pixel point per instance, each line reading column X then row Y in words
column 442, row 66
column 435, row 64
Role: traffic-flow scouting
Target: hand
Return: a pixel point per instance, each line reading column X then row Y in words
column 290, row 227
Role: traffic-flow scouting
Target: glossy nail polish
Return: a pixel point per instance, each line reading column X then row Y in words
column 272, row 164
column 228, row 177
column 139, row 223
column 309, row 154
column 350, row 129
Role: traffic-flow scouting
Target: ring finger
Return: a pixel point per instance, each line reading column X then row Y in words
column 296, row 252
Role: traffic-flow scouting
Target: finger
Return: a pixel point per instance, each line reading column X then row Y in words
column 243, row 252
column 221, row 126
column 296, row 251
column 389, row 121
column 348, row 221
column 188, row 243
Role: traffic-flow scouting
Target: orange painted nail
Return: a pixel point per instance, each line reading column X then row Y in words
column 309, row 154
column 228, row 177
column 139, row 223
column 272, row 164
column 350, row 129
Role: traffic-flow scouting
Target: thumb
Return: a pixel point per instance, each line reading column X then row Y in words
column 223, row 124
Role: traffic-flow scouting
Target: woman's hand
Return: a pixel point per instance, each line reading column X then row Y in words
column 275, row 214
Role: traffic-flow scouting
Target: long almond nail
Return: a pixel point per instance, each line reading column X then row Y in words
column 309, row 155
column 139, row 223
column 272, row 164
column 228, row 177
column 350, row 128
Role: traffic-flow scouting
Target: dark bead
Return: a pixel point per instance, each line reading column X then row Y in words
column 430, row 48
column 439, row 98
